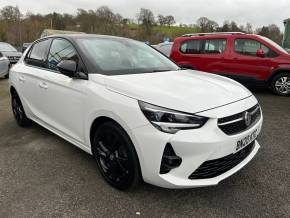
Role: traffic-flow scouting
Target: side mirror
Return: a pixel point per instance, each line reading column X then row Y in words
column 260, row 53
column 67, row 67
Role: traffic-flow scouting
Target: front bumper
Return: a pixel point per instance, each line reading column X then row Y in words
column 194, row 147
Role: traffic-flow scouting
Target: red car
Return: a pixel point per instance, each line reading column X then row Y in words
column 247, row 58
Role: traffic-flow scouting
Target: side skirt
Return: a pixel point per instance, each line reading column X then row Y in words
column 63, row 135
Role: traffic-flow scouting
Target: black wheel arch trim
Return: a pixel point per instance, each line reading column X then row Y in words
column 102, row 119
column 13, row 90
column 276, row 72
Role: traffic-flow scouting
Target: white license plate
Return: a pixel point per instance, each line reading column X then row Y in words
column 246, row 140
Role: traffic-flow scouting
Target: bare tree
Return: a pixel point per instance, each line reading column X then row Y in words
column 146, row 18
column 225, row 27
column 249, row 28
column 10, row 24
column 16, row 28
column 169, row 20
column 234, row 27
column 207, row 25
column 161, row 19
column 10, row 14
column 272, row 32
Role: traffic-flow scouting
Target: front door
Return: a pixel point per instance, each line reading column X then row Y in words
column 243, row 63
column 63, row 98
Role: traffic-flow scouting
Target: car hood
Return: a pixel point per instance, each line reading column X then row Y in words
column 11, row 53
column 184, row 90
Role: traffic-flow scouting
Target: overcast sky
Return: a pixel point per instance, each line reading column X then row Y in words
column 257, row 12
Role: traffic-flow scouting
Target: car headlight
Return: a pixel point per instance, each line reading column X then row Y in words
column 170, row 121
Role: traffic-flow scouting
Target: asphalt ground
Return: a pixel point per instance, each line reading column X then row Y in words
column 41, row 175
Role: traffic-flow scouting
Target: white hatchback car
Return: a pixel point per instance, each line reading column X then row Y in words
column 138, row 113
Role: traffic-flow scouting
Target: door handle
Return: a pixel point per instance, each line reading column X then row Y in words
column 21, row 78
column 43, row 85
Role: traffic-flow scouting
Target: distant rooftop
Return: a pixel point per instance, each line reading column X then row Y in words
column 48, row 32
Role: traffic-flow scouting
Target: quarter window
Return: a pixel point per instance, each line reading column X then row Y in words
column 38, row 53
column 249, row 47
column 60, row 50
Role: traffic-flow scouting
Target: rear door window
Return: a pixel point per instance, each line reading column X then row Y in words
column 214, row 46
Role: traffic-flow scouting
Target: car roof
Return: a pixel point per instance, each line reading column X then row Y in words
column 214, row 33
column 5, row 43
column 217, row 35
column 84, row 36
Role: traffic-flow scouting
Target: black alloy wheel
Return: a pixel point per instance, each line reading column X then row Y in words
column 18, row 111
column 116, row 156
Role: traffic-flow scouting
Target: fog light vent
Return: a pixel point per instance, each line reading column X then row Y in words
column 169, row 160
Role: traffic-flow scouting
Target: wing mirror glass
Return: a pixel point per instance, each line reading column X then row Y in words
column 67, row 67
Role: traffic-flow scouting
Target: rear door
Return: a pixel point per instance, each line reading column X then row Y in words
column 204, row 54
column 29, row 76
column 190, row 54
column 213, row 54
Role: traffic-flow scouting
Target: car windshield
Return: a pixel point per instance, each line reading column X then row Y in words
column 6, row 47
column 274, row 44
column 116, row 56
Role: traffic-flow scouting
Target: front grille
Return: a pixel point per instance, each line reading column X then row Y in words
column 236, row 123
column 213, row 168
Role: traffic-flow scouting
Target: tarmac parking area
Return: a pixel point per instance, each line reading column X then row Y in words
column 41, row 175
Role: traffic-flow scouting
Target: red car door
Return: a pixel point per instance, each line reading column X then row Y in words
column 243, row 63
column 203, row 54
column 214, row 52
column 189, row 54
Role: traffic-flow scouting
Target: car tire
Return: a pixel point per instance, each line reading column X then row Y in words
column 280, row 84
column 116, row 156
column 18, row 111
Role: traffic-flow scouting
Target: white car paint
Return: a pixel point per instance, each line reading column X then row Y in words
column 69, row 106
column 166, row 88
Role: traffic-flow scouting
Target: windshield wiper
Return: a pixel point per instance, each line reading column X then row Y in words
column 156, row 71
